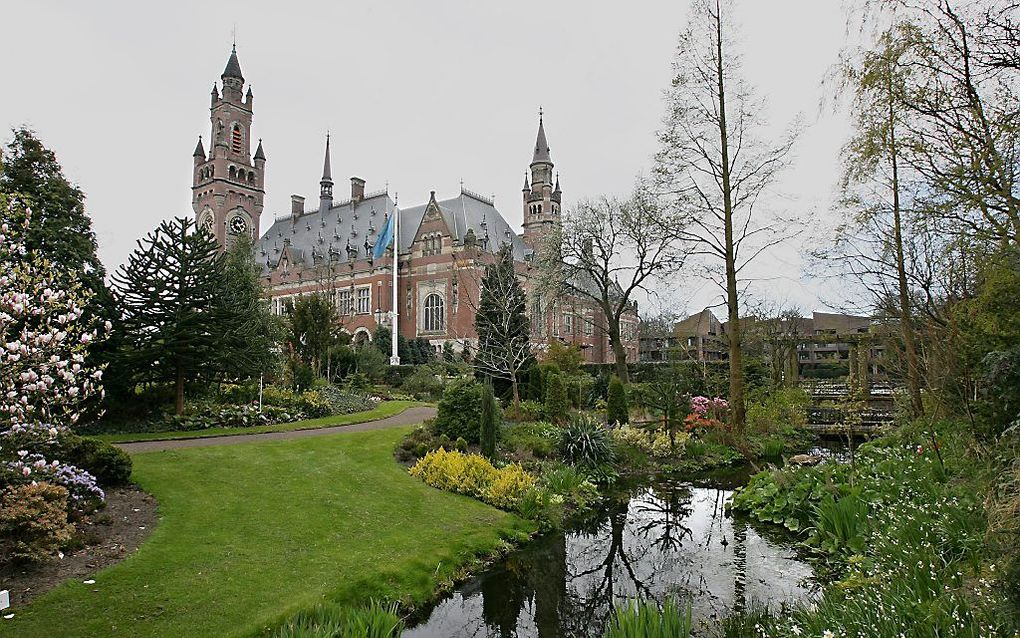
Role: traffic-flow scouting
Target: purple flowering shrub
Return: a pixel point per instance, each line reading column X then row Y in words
column 83, row 491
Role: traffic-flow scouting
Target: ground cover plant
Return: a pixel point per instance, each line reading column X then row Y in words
column 902, row 532
column 252, row 534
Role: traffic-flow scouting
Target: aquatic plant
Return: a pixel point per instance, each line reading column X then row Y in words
column 329, row 620
column 645, row 619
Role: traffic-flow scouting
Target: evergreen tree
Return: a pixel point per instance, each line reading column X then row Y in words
column 250, row 331
column 168, row 295
column 60, row 232
column 556, row 402
column 490, row 419
column 383, row 340
column 536, row 386
column 504, row 331
column 313, row 323
column 404, row 350
column 617, row 410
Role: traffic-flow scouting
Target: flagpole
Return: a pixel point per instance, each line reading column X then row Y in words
column 395, row 333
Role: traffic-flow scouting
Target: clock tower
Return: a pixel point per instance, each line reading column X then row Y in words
column 228, row 184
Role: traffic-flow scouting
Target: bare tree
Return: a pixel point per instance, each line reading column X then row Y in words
column 504, row 335
column 606, row 250
column 715, row 165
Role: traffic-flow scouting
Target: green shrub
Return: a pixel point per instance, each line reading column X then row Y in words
column 526, row 411
column 474, row 475
column 556, row 403
column 535, row 388
column 777, row 410
column 372, row 363
column 538, row 439
column 423, row 383
column 108, row 463
column 841, row 524
column 644, row 619
column 585, row 441
column 33, row 522
column 460, row 411
column 489, row 422
column 617, row 410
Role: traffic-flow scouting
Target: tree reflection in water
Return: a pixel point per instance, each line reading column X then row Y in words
column 670, row 539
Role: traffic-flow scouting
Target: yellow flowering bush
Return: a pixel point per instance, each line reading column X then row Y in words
column 510, row 486
column 473, row 475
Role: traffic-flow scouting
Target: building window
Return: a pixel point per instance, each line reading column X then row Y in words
column 236, row 140
column 364, row 300
column 343, row 302
column 455, row 295
column 589, row 326
column 568, row 325
column 433, row 313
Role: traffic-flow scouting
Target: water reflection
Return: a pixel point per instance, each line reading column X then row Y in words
column 669, row 539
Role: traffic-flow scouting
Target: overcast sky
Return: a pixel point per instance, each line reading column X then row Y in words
column 418, row 94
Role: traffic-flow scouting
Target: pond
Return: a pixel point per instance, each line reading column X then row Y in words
column 653, row 540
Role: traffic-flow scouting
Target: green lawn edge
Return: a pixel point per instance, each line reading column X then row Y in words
column 343, row 522
column 383, row 410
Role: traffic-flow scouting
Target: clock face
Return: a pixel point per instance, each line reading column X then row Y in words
column 238, row 225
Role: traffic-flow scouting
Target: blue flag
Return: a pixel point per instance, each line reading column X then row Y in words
column 382, row 242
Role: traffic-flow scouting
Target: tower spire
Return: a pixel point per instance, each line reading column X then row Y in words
column 326, row 184
column 541, row 144
column 233, row 68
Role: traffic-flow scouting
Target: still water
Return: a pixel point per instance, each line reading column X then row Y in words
column 667, row 538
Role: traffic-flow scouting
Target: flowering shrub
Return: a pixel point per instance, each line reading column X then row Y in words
column 706, row 413
column 654, row 442
column 33, row 522
column 474, row 475
column 82, row 490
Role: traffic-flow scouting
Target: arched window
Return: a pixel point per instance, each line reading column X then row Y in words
column 251, row 177
column 434, row 313
column 240, row 175
column 235, row 139
column 233, row 173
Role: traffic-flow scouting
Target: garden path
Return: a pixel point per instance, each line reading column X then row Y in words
column 409, row 416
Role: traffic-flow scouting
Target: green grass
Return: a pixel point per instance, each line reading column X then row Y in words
column 381, row 411
column 251, row 534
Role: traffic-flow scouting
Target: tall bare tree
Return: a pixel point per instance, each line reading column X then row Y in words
column 716, row 166
column 607, row 250
column 873, row 243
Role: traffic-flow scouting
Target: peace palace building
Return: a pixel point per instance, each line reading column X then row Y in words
column 444, row 244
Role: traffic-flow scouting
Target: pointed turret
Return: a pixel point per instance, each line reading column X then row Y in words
column 556, row 190
column 233, row 68
column 541, row 144
column 527, row 187
column 326, row 184
column 199, row 149
column 259, row 153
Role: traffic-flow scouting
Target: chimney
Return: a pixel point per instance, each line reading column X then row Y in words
column 297, row 206
column 357, row 189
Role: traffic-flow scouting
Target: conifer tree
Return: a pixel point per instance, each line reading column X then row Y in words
column 556, row 402
column 250, row 331
column 489, row 425
column 171, row 319
column 313, row 324
column 617, row 410
column 504, row 332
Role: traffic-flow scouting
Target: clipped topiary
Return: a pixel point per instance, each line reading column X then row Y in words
column 490, row 422
column 557, row 405
column 617, row 410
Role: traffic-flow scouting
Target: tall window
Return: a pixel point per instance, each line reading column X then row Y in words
column 434, row 315
column 343, row 302
column 236, row 141
column 364, row 300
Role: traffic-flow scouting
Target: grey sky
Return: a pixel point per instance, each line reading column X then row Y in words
column 419, row 94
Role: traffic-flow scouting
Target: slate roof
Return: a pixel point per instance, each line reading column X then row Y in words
column 314, row 235
column 233, row 68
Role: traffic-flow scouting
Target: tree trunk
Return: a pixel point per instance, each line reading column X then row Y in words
column 736, row 398
column 906, row 315
column 179, row 391
column 616, row 343
column 516, row 390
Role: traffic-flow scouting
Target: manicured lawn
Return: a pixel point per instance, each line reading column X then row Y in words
column 251, row 533
column 381, row 411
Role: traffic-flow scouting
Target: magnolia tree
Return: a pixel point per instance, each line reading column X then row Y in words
column 45, row 380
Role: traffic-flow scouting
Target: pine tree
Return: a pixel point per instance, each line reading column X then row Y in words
column 556, row 402
column 504, row 331
column 617, row 410
column 171, row 319
column 490, row 422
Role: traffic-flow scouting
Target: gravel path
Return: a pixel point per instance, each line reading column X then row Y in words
column 409, row 416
